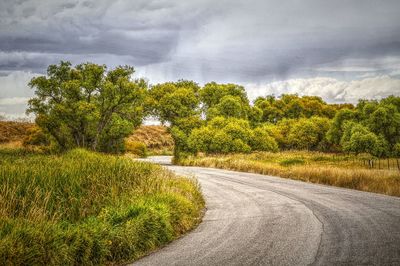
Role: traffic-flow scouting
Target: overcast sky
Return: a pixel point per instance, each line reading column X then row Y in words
column 341, row 50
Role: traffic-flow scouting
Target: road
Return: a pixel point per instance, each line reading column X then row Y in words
column 255, row 219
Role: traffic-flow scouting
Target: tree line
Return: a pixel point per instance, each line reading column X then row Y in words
column 92, row 107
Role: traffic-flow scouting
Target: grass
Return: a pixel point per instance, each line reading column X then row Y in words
column 329, row 169
column 156, row 138
column 13, row 132
column 84, row 208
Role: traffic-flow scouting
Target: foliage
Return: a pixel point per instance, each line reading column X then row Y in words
column 223, row 135
column 86, row 106
column 83, row 208
column 173, row 100
column 378, row 121
column 291, row 106
column 136, row 147
column 36, row 137
column 263, row 141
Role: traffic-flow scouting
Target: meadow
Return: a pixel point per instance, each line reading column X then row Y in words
column 86, row 208
column 340, row 170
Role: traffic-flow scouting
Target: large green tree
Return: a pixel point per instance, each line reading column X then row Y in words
column 88, row 106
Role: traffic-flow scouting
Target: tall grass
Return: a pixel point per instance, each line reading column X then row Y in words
column 87, row 208
column 336, row 170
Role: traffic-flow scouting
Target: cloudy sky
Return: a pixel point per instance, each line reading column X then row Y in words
column 341, row 50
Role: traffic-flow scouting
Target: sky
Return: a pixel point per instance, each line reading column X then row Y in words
column 340, row 50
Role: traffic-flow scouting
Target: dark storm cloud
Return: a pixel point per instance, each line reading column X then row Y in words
column 245, row 40
column 340, row 50
column 144, row 31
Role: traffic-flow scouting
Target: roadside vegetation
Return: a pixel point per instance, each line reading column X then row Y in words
column 68, row 196
column 88, row 208
column 339, row 170
column 216, row 125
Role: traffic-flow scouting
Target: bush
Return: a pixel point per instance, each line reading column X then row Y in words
column 200, row 139
column 136, row 147
column 262, row 141
column 36, row 137
column 221, row 143
column 239, row 146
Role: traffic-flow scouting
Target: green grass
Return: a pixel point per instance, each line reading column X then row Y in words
column 89, row 209
column 339, row 170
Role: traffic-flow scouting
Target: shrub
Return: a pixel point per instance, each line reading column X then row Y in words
column 239, row 146
column 36, row 137
column 262, row 141
column 221, row 143
column 200, row 139
column 136, row 147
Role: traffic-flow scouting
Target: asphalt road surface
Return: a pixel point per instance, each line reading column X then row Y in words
column 255, row 219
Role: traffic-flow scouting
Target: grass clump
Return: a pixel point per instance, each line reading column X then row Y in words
column 291, row 161
column 84, row 208
column 339, row 170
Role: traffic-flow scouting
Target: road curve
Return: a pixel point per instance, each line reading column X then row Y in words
column 254, row 219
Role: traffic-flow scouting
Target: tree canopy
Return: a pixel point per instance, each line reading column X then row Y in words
column 88, row 106
column 92, row 107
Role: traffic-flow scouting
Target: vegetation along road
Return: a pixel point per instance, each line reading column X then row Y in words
column 254, row 219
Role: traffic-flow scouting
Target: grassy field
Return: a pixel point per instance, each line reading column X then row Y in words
column 84, row 208
column 330, row 169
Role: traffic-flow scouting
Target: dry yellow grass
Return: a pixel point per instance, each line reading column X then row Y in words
column 341, row 171
column 13, row 131
column 156, row 138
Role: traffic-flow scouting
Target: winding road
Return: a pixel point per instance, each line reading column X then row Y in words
column 255, row 219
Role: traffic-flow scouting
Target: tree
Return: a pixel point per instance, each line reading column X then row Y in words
column 86, row 106
column 358, row 139
column 303, row 135
column 335, row 133
column 231, row 106
column 229, row 100
column 385, row 121
column 172, row 101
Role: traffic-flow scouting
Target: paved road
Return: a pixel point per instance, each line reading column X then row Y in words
column 254, row 219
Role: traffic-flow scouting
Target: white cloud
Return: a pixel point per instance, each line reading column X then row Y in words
column 330, row 89
column 14, row 101
column 15, row 84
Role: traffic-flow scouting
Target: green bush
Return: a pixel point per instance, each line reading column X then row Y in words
column 239, row 146
column 221, row 143
column 36, row 137
column 262, row 141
